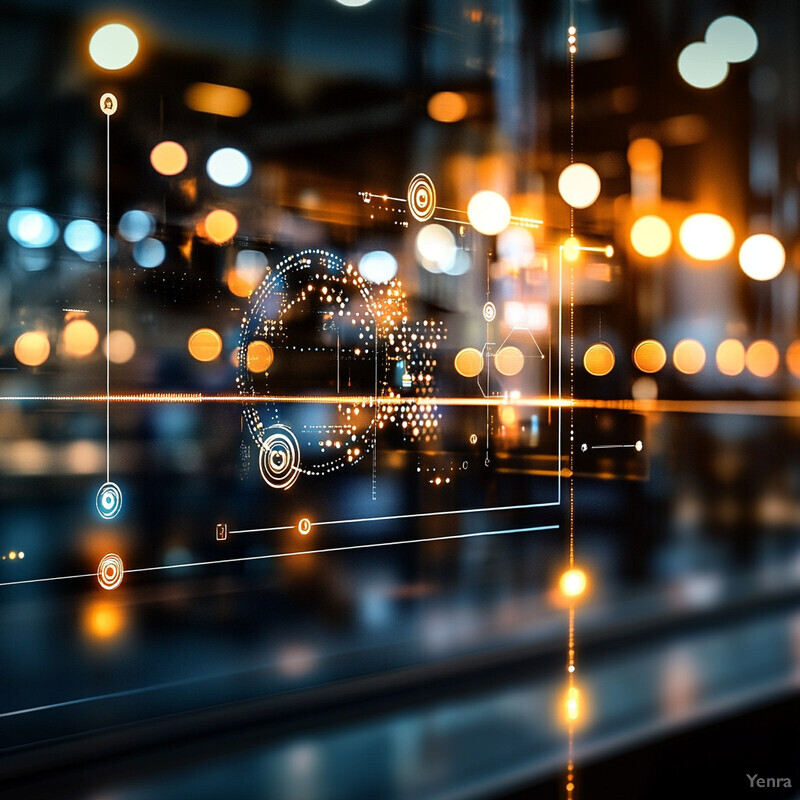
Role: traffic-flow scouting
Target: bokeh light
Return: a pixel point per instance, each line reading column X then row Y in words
column 599, row 359
column 571, row 248
column 649, row 356
column 120, row 347
column 436, row 247
column 651, row 236
column 689, row 356
column 447, row 107
column 169, row 158
column 32, row 228
column 260, row 356
column 579, row 185
column 730, row 357
column 32, row 348
column 113, row 46
column 732, row 39
column 706, row 237
column 509, row 360
column 572, row 704
column 762, row 358
column 461, row 263
column 377, row 266
column 135, row 225
column 353, row 3
column 103, row 620
column 489, row 213
column 220, row 225
column 149, row 253
column 793, row 358
column 573, row 582
column 644, row 155
column 213, row 98
column 702, row 66
column 762, row 257
column 83, row 236
column 228, row 167
column 469, row 362
column 517, row 246
column 644, row 388
column 205, row 344
column 80, row 338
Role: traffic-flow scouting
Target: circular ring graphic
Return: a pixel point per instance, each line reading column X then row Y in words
column 489, row 311
column 279, row 459
column 304, row 526
column 110, row 571
column 421, row 196
column 109, row 500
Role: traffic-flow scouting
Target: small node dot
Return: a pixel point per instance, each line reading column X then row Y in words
column 571, row 668
column 570, row 787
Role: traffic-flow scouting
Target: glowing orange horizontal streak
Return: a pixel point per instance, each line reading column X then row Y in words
column 764, row 408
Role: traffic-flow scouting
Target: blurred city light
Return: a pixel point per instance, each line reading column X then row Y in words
column 149, row 253
column 205, row 344
column 377, row 266
column 220, row 226
column 732, row 39
column 489, row 212
column 114, row 46
column 573, row 582
column 730, row 357
column 447, row 107
column 651, row 236
column 120, row 347
column 702, row 66
column 169, row 158
column 228, row 167
column 579, row 185
column 135, row 225
column 436, row 247
column 213, row 98
column 762, row 257
column 706, row 237
column 32, row 348
column 689, row 356
column 762, row 358
column 80, row 338
column 32, row 228
column 649, row 356
column 83, row 236
column 599, row 359
column 259, row 356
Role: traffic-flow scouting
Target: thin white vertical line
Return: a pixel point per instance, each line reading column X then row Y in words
column 108, row 297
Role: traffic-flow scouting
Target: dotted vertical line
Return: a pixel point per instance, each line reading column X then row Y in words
column 571, row 690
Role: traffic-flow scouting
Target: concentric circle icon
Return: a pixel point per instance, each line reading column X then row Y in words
column 489, row 311
column 109, row 500
column 279, row 460
column 421, row 197
column 110, row 571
